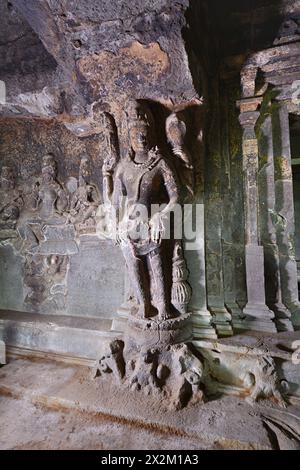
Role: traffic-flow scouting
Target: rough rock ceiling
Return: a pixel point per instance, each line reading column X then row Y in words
column 244, row 26
column 21, row 51
column 70, row 54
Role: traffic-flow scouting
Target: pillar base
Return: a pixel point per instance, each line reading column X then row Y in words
column 295, row 316
column 236, row 313
column 222, row 321
column 202, row 325
column 282, row 317
column 257, row 317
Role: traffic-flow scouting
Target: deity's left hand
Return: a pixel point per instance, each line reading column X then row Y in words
column 156, row 227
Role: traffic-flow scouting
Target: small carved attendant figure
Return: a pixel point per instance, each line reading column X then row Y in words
column 11, row 199
column 85, row 199
column 144, row 178
column 176, row 133
column 49, row 196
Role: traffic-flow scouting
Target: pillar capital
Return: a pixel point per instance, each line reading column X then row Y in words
column 249, row 104
column 249, row 112
column 248, row 119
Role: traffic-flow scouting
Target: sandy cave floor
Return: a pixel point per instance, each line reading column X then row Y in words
column 27, row 426
column 46, row 404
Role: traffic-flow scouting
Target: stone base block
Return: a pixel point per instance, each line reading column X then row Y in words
column 222, row 321
column 257, row 317
column 148, row 333
column 284, row 324
column 119, row 324
column 76, row 338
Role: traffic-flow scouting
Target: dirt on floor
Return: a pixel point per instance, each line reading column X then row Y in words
column 27, row 426
column 46, row 404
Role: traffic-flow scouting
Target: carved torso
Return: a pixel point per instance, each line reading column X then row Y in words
column 150, row 183
column 52, row 198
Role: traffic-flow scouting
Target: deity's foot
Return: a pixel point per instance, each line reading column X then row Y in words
column 165, row 313
column 143, row 311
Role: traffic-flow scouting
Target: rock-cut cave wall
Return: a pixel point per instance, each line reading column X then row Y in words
column 45, row 274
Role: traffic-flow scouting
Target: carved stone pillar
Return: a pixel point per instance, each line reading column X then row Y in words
column 233, row 210
column 195, row 257
column 257, row 315
column 214, row 213
column 214, row 268
column 268, row 219
column 284, row 207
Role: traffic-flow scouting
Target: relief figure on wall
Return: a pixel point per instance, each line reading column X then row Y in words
column 11, row 200
column 46, row 208
column 49, row 197
column 44, row 282
column 85, row 199
column 144, row 178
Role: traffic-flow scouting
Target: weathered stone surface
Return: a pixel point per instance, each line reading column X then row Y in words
column 95, row 279
column 68, row 387
column 77, row 339
column 11, row 279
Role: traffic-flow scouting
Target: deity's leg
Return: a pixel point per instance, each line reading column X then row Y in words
column 139, row 280
column 163, row 302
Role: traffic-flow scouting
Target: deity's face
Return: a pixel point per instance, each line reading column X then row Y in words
column 139, row 134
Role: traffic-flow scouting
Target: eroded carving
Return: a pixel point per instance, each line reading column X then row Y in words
column 49, row 198
column 112, row 362
column 45, row 281
column 172, row 372
column 11, row 199
column 176, row 134
column 85, row 200
column 265, row 381
column 181, row 290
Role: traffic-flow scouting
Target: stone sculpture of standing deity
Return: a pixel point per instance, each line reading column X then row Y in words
column 49, row 197
column 144, row 178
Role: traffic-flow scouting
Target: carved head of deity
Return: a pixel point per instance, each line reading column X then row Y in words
column 140, row 126
column 7, row 178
